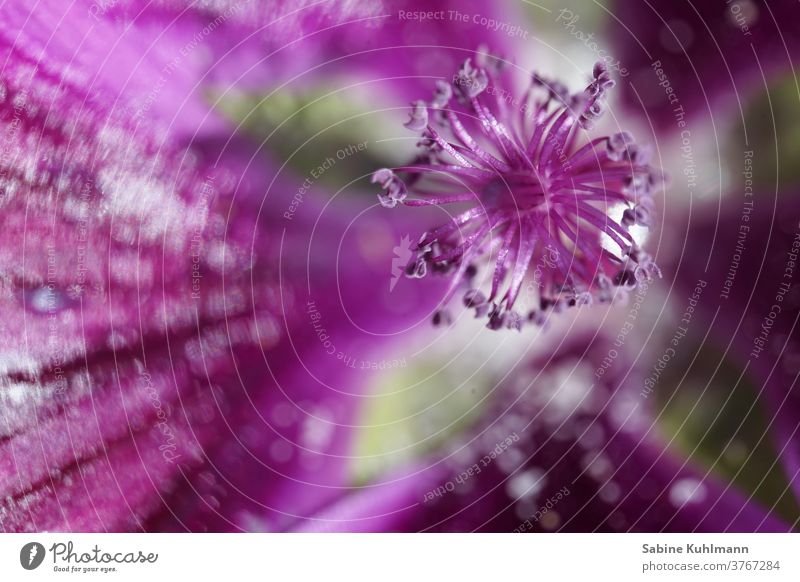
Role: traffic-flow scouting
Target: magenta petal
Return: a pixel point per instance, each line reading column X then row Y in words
column 120, row 71
column 126, row 287
column 389, row 506
column 283, row 449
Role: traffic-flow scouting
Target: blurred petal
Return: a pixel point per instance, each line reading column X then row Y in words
column 264, row 43
column 752, row 271
column 285, row 451
column 564, row 454
column 144, row 341
column 126, row 283
column 143, row 370
column 704, row 57
column 113, row 67
column 389, row 507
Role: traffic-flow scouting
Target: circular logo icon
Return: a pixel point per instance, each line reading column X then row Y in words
column 31, row 555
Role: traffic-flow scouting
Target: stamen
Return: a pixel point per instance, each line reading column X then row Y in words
column 418, row 118
column 395, row 189
column 470, row 82
column 541, row 199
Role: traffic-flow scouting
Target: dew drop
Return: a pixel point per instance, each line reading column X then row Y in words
column 19, row 101
column 526, row 484
column 736, row 452
column 510, row 460
column 208, row 478
column 742, row 13
column 47, row 300
column 686, row 491
column 318, row 430
column 212, row 502
column 221, row 257
column 610, row 492
column 283, row 414
column 550, row 520
column 524, row 508
column 791, row 361
column 597, row 466
column 252, row 522
column 312, row 461
column 280, row 451
column 617, row 521
column 15, row 394
column 591, row 436
column 793, row 297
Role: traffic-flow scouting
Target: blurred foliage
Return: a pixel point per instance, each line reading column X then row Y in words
column 414, row 411
column 591, row 14
column 305, row 128
column 773, row 132
column 718, row 421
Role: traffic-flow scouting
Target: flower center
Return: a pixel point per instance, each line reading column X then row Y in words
column 539, row 198
column 522, row 193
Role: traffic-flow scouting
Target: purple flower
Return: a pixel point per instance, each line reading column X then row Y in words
column 189, row 344
column 538, row 190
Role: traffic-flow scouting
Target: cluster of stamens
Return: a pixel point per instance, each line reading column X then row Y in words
column 536, row 196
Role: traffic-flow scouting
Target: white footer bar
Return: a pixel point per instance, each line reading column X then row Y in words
column 406, row 558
